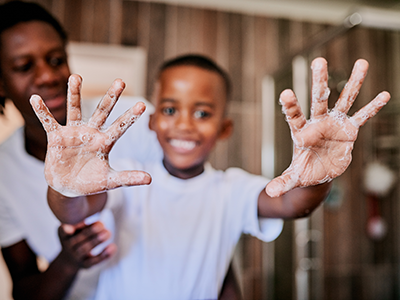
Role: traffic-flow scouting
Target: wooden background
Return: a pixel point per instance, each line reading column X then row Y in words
column 249, row 47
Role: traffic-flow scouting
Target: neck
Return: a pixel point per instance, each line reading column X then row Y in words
column 184, row 173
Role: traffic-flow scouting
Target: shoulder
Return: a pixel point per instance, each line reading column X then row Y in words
column 238, row 174
column 12, row 146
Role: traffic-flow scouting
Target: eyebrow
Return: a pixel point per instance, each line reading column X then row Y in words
column 211, row 105
column 163, row 100
column 200, row 103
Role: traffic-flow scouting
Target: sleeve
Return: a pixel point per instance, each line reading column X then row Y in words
column 245, row 191
column 10, row 231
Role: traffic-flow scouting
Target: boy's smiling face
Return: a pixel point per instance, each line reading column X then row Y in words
column 189, row 117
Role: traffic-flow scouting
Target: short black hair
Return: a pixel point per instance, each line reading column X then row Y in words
column 15, row 12
column 201, row 61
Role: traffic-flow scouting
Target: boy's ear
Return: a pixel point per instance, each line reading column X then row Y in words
column 151, row 122
column 226, row 129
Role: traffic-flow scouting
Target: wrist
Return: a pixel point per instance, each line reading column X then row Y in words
column 67, row 264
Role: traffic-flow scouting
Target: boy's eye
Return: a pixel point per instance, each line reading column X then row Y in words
column 201, row 114
column 168, row 111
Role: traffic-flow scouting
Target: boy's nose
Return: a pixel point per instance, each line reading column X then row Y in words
column 184, row 121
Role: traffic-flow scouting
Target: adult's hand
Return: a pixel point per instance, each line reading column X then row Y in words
column 79, row 240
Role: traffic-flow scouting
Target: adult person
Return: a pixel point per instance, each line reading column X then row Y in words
column 33, row 60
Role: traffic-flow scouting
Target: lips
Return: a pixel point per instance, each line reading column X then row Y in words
column 182, row 145
column 54, row 102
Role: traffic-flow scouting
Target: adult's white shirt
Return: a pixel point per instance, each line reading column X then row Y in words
column 24, row 212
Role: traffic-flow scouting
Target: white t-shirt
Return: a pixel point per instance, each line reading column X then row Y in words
column 176, row 237
column 24, row 212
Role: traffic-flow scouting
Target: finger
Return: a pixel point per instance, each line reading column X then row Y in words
column 127, row 178
column 106, row 104
column 282, row 184
column 80, row 225
column 320, row 91
column 119, row 126
column 62, row 234
column 352, row 87
column 371, row 109
column 109, row 251
column 68, row 229
column 292, row 110
column 44, row 115
column 85, row 233
column 86, row 248
column 74, row 114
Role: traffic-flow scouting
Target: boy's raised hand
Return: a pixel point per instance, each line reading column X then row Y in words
column 77, row 154
column 323, row 144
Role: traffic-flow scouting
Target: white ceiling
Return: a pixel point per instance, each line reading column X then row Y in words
column 334, row 12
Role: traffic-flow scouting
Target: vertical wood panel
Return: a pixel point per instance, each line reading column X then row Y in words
column 58, row 10
column 144, row 19
column 171, row 31
column 184, row 33
column 272, row 48
column 210, row 29
column 222, row 45
column 248, row 59
column 87, row 20
column 101, row 17
column 156, row 42
column 235, row 56
column 196, row 36
column 72, row 19
column 115, row 17
column 130, row 19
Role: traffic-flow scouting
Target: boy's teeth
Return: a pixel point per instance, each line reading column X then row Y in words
column 187, row 145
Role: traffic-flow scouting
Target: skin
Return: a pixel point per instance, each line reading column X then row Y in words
column 33, row 60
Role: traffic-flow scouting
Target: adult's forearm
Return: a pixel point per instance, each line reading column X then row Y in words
column 54, row 283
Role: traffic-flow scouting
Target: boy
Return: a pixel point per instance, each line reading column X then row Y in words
column 176, row 236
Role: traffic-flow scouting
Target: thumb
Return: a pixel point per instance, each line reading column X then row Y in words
column 282, row 184
column 68, row 229
column 128, row 178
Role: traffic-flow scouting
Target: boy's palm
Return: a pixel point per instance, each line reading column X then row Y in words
column 323, row 144
column 77, row 154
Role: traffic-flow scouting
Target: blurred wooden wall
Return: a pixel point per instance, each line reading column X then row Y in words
column 249, row 47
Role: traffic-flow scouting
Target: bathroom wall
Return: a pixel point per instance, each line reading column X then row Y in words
column 250, row 47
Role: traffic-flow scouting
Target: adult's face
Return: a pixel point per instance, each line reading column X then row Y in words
column 33, row 61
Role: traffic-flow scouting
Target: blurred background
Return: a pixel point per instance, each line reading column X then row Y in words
column 350, row 247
